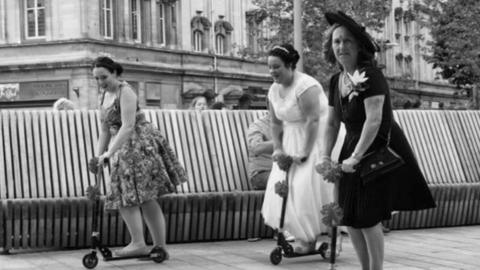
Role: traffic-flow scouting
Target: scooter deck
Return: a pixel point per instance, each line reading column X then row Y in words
column 294, row 255
column 118, row 258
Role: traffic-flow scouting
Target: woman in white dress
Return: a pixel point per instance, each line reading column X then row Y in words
column 298, row 106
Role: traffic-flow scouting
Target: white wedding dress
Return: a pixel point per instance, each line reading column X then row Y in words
column 308, row 192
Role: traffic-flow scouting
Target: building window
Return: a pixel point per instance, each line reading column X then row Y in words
column 220, row 44
column 200, row 31
column 136, row 20
column 258, row 30
column 162, row 37
column 197, row 41
column 399, row 64
column 107, row 12
column 223, row 31
column 35, row 18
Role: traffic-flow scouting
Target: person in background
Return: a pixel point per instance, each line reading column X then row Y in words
column 244, row 102
column 63, row 104
column 199, row 103
column 260, row 150
column 219, row 106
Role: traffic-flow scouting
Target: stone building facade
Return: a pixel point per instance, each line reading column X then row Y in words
column 171, row 50
column 414, row 81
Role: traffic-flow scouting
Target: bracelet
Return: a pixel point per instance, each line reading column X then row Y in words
column 356, row 156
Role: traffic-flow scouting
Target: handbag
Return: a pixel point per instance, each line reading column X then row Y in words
column 378, row 162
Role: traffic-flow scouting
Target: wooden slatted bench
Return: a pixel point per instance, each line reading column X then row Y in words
column 42, row 190
column 447, row 147
column 43, row 176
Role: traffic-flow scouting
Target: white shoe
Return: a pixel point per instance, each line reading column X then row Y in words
column 288, row 236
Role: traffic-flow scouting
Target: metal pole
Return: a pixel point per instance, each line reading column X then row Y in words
column 297, row 31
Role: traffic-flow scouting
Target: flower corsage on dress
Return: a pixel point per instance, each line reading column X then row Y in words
column 358, row 83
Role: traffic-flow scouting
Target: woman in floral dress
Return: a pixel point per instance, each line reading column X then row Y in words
column 143, row 165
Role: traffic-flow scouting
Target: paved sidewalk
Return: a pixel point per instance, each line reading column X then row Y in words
column 435, row 249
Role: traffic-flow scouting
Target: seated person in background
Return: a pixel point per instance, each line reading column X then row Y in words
column 260, row 149
column 63, row 104
column 244, row 102
column 199, row 103
column 218, row 106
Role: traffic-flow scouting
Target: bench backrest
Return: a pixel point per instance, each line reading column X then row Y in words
column 446, row 144
column 44, row 154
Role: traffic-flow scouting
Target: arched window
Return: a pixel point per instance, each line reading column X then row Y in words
column 220, row 44
column 161, row 24
column 197, row 40
column 200, row 31
column 223, row 30
column 136, row 17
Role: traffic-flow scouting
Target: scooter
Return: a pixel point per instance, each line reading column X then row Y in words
column 285, row 249
column 90, row 260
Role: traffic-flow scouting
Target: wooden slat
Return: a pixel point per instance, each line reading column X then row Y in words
column 33, row 224
column 209, row 208
column 43, row 162
column 23, row 158
column 70, row 132
column 17, row 225
column 202, row 215
column 216, row 154
column 192, row 147
column 206, row 170
column 35, row 149
column 52, row 156
column 16, row 177
column 27, row 158
column 216, row 215
column 3, row 157
column 239, row 134
column 231, row 161
column 89, row 146
column 424, row 149
column 448, row 149
column 468, row 135
column 57, row 223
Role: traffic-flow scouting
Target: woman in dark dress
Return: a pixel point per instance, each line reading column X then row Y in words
column 362, row 103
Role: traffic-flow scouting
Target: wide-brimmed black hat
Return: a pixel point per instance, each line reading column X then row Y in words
column 356, row 29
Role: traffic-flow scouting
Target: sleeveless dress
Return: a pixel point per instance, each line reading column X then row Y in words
column 144, row 167
column 404, row 188
column 308, row 192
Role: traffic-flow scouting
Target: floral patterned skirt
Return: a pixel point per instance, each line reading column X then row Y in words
column 144, row 168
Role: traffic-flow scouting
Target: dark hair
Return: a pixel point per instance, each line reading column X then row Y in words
column 286, row 53
column 109, row 64
column 218, row 105
column 365, row 58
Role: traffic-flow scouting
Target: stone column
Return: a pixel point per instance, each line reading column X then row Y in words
column 297, row 31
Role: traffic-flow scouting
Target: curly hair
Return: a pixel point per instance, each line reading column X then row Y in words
column 365, row 58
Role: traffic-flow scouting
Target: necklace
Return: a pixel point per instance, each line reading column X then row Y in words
column 346, row 85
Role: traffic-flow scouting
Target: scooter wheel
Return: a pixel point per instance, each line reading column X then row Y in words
column 90, row 260
column 158, row 254
column 323, row 250
column 276, row 256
